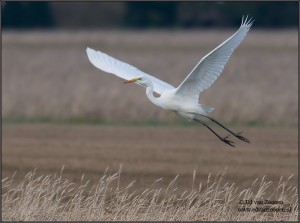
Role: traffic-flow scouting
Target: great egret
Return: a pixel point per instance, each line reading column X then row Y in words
column 183, row 100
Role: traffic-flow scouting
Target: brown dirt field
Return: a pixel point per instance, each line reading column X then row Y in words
column 148, row 153
column 47, row 74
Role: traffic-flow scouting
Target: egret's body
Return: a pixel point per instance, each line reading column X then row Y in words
column 184, row 99
column 185, row 107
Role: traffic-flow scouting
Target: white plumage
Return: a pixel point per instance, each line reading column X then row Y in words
column 184, row 99
column 210, row 67
column 123, row 70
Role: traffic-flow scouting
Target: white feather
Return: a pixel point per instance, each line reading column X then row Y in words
column 123, row 70
column 210, row 67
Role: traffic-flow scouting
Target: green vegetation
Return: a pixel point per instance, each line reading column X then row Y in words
column 86, row 121
column 147, row 122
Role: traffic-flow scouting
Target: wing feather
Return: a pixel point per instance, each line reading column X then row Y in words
column 123, row 70
column 210, row 67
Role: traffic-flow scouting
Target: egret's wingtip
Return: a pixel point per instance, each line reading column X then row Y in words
column 247, row 21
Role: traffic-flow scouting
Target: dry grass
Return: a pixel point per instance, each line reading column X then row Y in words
column 53, row 197
column 47, row 74
column 148, row 153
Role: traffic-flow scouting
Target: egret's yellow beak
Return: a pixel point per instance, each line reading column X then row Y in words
column 132, row 80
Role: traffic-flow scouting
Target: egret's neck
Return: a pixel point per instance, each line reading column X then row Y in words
column 149, row 93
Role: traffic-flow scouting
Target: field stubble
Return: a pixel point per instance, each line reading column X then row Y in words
column 148, row 155
column 47, row 74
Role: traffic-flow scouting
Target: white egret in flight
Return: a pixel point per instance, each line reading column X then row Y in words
column 183, row 100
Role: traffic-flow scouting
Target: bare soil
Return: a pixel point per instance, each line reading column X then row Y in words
column 148, row 153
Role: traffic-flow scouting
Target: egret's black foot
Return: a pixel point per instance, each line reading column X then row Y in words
column 228, row 142
column 240, row 137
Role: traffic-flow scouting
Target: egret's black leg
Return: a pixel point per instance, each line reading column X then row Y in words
column 237, row 135
column 225, row 140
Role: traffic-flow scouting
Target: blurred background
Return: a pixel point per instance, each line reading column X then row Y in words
column 44, row 48
column 58, row 109
column 182, row 15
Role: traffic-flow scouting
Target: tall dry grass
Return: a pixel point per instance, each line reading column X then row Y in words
column 52, row 197
column 47, row 74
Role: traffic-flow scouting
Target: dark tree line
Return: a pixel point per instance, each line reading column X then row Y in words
column 148, row 14
column 206, row 14
column 26, row 15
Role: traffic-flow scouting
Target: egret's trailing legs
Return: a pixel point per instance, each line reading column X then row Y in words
column 225, row 140
column 237, row 135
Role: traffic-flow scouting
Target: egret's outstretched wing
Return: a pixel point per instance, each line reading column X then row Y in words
column 210, row 67
column 123, row 70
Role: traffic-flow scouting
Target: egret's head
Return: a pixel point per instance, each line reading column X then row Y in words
column 140, row 80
